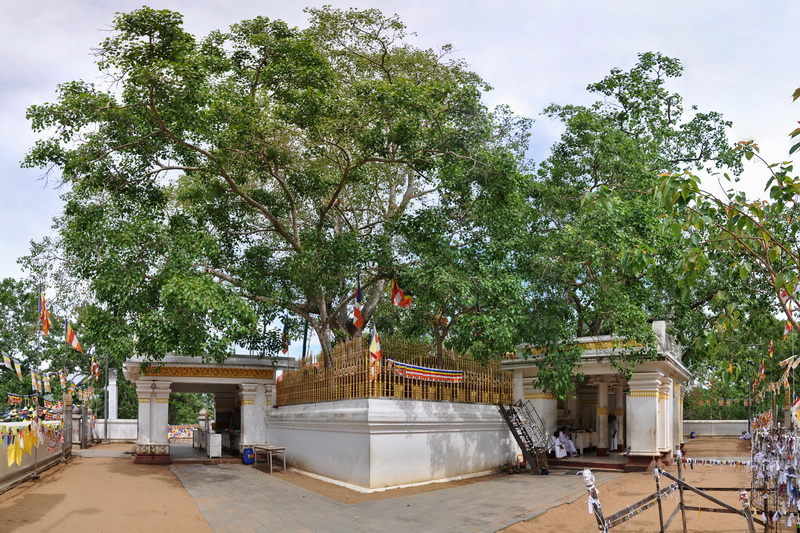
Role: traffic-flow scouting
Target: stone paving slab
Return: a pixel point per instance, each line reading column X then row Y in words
column 238, row 498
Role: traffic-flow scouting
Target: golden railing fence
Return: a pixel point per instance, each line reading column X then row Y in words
column 351, row 377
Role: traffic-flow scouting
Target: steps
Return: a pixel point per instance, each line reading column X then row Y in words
column 529, row 432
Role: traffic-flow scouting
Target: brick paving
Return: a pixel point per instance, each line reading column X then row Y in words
column 238, row 498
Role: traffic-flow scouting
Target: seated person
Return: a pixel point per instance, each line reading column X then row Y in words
column 745, row 435
column 564, row 444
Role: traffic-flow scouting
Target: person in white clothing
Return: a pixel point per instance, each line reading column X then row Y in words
column 612, row 433
column 566, row 444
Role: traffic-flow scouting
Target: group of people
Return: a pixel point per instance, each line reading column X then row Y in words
column 561, row 441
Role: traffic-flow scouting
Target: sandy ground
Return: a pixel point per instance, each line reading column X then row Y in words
column 628, row 489
column 101, row 494
column 111, row 494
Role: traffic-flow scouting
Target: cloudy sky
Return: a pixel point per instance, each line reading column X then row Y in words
column 738, row 57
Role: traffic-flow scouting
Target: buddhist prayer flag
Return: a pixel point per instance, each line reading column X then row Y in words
column 285, row 341
column 399, row 297
column 787, row 329
column 44, row 314
column 796, row 410
column 7, row 361
column 46, row 380
column 375, row 354
column 70, row 336
column 62, row 377
column 18, row 368
column 771, row 347
column 358, row 317
column 425, row 373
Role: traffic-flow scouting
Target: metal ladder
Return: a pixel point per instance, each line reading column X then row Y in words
column 528, row 430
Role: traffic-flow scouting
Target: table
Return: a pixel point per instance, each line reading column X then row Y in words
column 269, row 451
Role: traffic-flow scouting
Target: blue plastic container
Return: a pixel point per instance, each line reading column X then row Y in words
column 248, row 457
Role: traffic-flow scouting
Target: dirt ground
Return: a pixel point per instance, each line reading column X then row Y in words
column 101, row 494
column 112, row 494
column 628, row 489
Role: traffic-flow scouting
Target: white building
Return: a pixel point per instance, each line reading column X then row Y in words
column 648, row 407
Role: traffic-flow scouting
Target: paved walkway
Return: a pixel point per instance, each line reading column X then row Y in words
column 238, row 498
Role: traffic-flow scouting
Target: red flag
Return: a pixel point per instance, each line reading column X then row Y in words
column 787, row 329
column 358, row 317
column 44, row 314
column 398, row 296
column 771, row 348
column 70, row 336
column 375, row 352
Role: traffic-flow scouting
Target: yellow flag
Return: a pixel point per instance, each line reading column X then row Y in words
column 18, row 451
column 28, row 441
column 11, row 449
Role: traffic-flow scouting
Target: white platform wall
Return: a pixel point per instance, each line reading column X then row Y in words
column 714, row 428
column 383, row 442
column 119, row 430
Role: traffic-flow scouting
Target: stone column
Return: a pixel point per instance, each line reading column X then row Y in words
column 665, row 415
column 159, row 416
column 113, row 409
column 643, row 419
column 574, row 407
column 547, row 408
column 144, row 394
column 602, row 418
column 619, row 412
column 677, row 414
column 247, row 400
column 518, row 394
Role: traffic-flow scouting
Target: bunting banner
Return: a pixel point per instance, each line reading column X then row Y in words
column 14, row 399
column 46, row 380
column 62, row 377
column 71, row 388
column 47, row 404
column 18, row 369
column 425, row 373
column 35, row 380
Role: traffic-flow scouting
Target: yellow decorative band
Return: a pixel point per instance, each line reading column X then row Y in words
column 539, row 396
column 162, row 400
column 619, row 411
column 644, row 394
column 209, row 372
column 602, row 411
column 144, row 400
column 663, row 396
column 248, row 402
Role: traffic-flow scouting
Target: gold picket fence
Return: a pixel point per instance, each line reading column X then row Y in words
column 352, row 377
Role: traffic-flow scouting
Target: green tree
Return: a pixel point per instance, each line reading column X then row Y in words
column 599, row 221
column 221, row 183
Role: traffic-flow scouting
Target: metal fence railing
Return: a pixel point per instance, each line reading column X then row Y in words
column 354, row 376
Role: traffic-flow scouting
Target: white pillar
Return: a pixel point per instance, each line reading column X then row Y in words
column 546, row 407
column 159, row 415
column 252, row 431
column 619, row 412
column 113, row 410
column 643, row 415
column 144, row 395
column 602, row 418
column 665, row 415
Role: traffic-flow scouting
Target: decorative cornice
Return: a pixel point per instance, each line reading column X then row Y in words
column 209, row 372
column 539, row 396
column 644, row 394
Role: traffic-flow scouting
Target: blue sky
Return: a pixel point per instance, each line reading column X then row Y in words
column 739, row 58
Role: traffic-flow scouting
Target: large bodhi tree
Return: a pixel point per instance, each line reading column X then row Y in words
column 217, row 184
column 598, row 216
